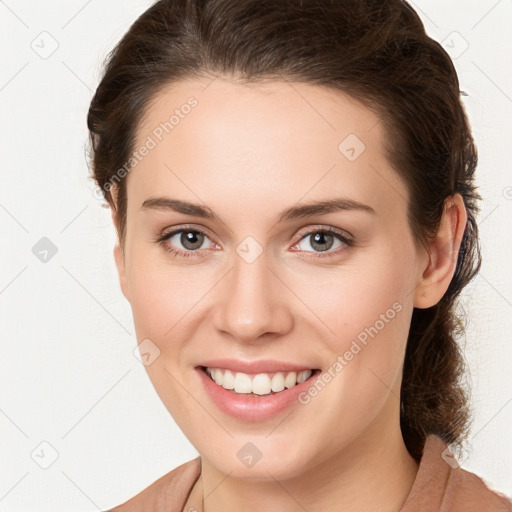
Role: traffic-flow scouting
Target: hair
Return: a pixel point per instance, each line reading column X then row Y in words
column 376, row 52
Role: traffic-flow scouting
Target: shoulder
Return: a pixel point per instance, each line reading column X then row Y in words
column 169, row 493
column 442, row 485
column 470, row 490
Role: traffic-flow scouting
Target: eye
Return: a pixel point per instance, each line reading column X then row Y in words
column 192, row 241
column 323, row 240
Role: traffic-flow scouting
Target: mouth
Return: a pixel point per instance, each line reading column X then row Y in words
column 258, row 384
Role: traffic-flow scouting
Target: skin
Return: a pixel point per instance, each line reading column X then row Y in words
column 249, row 152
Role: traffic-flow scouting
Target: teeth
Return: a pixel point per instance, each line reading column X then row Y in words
column 290, row 380
column 261, row 384
column 278, row 382
column 217, row 376
column 228, row 381
column 302, row 376
column 242, row 383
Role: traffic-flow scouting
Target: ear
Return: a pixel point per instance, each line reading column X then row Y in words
column 118, row 251
column 121, row 269
column 443, row 252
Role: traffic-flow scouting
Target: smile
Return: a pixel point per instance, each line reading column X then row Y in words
column 259, row 384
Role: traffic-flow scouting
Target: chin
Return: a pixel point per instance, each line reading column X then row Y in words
column 260, row 460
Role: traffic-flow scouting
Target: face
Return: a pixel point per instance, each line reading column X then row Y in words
column 251, row 282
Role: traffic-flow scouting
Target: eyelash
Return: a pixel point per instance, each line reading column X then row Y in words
column 347, row 241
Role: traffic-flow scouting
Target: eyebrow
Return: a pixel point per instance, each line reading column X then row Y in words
column 295, row 212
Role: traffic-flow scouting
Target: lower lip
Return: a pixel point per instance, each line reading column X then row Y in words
column 249, row 407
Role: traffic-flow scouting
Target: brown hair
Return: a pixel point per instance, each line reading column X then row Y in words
column 379, row 53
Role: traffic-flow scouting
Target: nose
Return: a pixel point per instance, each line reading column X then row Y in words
column 253, row 303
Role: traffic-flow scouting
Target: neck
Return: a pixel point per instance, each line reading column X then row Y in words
column 374, row 473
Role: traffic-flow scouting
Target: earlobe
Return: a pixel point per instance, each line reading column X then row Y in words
column 443, row 253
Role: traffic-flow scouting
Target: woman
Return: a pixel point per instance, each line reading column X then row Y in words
column 292, row 184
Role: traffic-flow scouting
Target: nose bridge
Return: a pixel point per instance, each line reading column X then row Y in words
column 251, row 303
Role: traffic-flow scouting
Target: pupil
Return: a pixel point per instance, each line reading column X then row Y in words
column 191, row 238
column 319, row 239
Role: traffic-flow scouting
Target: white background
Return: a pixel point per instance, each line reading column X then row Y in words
column 68, row 376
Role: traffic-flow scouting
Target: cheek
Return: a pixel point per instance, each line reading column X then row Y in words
column 360, row 296
column 165, row 296
column 365, row 311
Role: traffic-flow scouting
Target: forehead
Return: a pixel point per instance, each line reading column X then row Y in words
column 277, row 142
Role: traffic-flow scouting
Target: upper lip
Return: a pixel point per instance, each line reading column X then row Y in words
column 261, row 366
